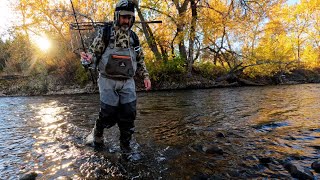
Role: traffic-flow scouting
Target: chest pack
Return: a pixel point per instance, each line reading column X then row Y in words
column 117, row 62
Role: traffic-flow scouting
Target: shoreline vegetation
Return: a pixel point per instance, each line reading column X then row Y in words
column 199, row 44
column 18, row 85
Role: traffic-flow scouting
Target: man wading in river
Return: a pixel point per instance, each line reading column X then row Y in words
column 117, row 53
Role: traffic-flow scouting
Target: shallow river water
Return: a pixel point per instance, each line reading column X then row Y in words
column 225, row 133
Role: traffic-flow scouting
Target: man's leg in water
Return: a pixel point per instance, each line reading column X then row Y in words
column 127, row 115
column 108, row 117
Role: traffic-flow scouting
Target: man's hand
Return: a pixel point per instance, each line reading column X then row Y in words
column 86, row 56
column 147, row 84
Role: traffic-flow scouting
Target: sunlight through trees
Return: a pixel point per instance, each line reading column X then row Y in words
column 262, row 38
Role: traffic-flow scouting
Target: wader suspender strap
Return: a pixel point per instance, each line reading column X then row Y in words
column 106, row 38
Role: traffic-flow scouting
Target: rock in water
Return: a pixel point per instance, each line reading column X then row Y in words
column 265, row 160
column 298, row 172
column 220, row 135
column 212, row 149
column 29, row 176
column 316, row 166
column 64, row 146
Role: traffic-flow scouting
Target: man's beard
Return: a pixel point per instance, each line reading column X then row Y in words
column 125, row 27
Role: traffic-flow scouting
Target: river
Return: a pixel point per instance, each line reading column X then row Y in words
column 223, row 133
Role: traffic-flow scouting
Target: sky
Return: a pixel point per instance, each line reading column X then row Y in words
column 6, row 16
column 291, row 2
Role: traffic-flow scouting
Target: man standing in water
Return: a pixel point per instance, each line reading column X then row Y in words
column 121, row 58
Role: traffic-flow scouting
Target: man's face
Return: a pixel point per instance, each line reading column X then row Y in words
column 125, row 21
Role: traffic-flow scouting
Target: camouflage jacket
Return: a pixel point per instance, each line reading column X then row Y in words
column 121, row 40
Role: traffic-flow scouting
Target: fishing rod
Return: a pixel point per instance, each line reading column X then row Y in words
column 84, row 62
column 92, row 25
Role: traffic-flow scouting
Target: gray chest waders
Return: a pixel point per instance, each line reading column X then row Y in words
column 117, row 91
column 116, row 70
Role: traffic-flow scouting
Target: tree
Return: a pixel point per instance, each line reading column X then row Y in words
column 5, row 55
column 19, row 55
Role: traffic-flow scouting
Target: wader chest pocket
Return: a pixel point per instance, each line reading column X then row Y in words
column 119, row 66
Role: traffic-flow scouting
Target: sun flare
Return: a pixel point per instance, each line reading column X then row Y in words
column 43, row 43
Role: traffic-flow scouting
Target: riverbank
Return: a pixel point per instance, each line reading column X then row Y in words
column 30, row 86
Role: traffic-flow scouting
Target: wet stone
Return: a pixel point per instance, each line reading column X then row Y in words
column 64, row 146
column 265, row 160
column 316, row 166
column 197, row 147
column 220, row 135
column 298, row 172
column 212, row 149
column 275, row 168
column 29, row 176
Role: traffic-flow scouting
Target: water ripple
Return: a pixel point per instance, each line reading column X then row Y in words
column 211, row 133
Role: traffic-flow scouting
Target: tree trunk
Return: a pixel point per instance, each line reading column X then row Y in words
column 192, row 35
column 182, row 47
column 149, row 36
column 182, row 9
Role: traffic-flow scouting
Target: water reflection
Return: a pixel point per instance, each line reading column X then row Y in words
column 49, row 113
column 212, row 133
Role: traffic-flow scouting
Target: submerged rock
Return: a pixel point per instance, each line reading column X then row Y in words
column 196, row 147
column 298, row 172
column 220, row 135
column 29, row 176
column 265, row 160
column 316, row 166
column 64, row 146
column 212, row 149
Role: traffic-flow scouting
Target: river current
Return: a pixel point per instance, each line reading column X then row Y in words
column 223, row 133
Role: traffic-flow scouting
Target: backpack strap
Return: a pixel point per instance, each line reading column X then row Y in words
column 135, row 38
column 105, row 38
column 106, row 34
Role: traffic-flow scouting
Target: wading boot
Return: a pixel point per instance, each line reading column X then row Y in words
column 125, row 147
column 125, row 138
column 95, row 138
column 129, row 154
column 125, row 150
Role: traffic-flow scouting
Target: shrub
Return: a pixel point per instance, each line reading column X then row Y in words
column 166, row 69
column 209, row 70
